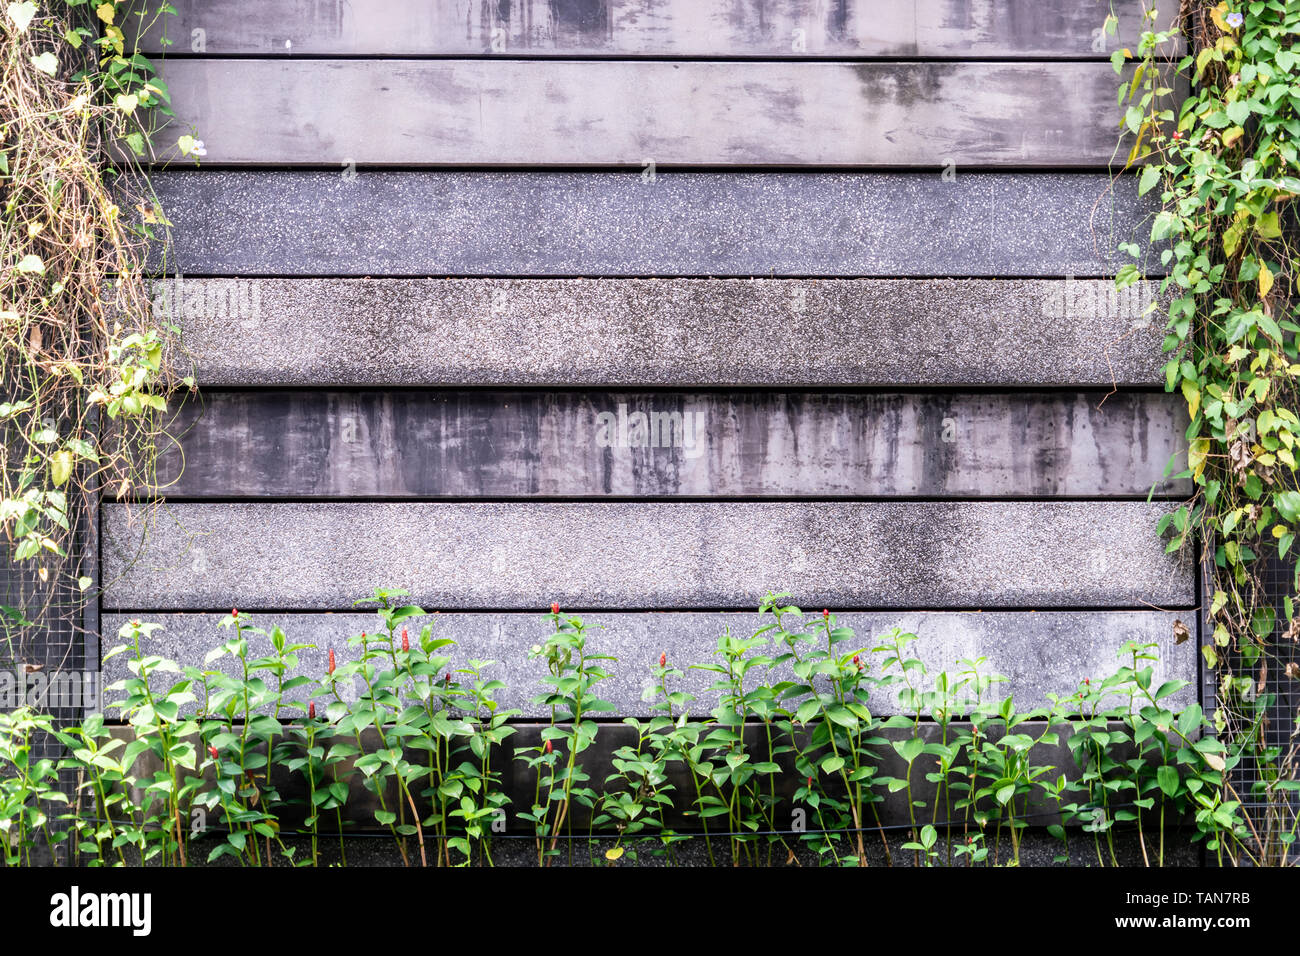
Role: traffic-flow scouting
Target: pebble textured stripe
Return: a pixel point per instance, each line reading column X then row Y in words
column 666, row 331
column 370, row 223
column 635, row 555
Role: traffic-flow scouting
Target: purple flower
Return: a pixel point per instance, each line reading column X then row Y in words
column 1234, row 20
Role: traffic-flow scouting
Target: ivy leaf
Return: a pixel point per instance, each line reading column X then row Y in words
column 127, row 102
column 1167, row 224
column 61, row 467
column 21, row 14
column 1197, row 455
column 1268, row 227
column 1133, row 119
column 1232, row 235
column 47, row 63
column 1150, row 176
column 105, row 12
column 1265, row 280
column 1238, row 111
column 1288, row 505
column 1193, row 396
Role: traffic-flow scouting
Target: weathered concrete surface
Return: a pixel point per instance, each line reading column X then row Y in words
column 629, row 28
column 576, row 444
column 429, row 223
column 666, row 331
column 491, row 555
column 1039, row 653
column 630, row 113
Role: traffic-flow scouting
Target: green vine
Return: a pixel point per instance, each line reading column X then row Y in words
column 1227, row 173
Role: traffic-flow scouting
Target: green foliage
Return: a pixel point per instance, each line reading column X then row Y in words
column 236, row 760
column 1227, row 173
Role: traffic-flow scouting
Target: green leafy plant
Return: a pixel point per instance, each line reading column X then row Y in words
column 1226, row 172
column 572, row 672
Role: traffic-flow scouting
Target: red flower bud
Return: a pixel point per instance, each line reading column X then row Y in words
column 311, row 710
column 446, row 678
column 1087, row 682
column 663, row 660
column 234, row 612
column 1178, row 134
column 406, row 641
column 213, row 751
column 548, row 746
column 856, row 661
column 825, row 614
column 331, row 660
column 810, row 783
column 555, row 608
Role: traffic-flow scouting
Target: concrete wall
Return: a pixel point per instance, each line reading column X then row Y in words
column 439, row 256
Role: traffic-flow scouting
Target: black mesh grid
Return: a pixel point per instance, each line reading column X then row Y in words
column 1271, row 720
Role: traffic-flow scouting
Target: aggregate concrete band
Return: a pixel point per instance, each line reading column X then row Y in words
column 638, row 555
column 665, row 332
column 689, row 224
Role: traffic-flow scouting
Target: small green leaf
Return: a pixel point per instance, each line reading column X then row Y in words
column 1150, row 176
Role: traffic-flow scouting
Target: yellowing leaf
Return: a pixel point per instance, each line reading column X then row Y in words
column 1202, row 59
column 105, row 12
column 614, row 853
column 1268, row 227
column 127, row 102
column 31, row 263
column 61, row 467
column 1193, row 396
column 1265, row 280
column 1214, row 761
column 1197, row 455
column 1232, row 235
column 1231, row 136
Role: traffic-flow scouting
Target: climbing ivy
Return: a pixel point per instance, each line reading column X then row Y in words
column 1227, row 174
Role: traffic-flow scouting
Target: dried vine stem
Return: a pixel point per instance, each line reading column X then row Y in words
column 83, row 357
